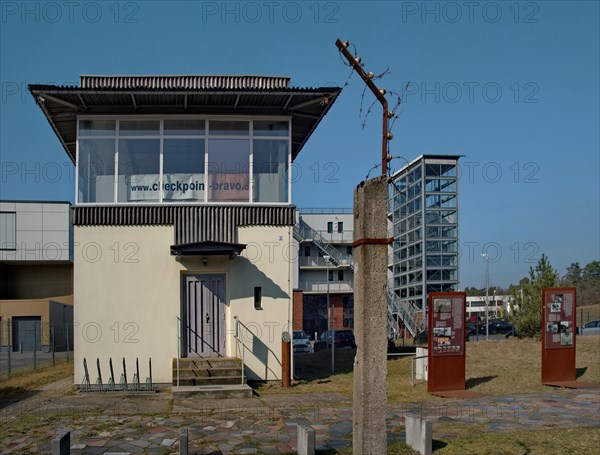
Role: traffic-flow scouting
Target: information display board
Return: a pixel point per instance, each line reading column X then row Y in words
column 559, row 329
column 559, row 321
column 448, row 328
column 447, row 340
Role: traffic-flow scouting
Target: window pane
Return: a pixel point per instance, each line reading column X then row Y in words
column 96, row 170
column 97, row 127
column 270, row 128
column 8, row 231
column 138, row 170
column 448, row 170
column 183, row 127
column 183, row 170
column 229, row 128
column 228, row 170
column 139, row 128
column 270, row 176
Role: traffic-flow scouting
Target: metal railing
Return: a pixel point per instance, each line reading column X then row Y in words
column 406, row 311
column 320, row 261
column 321, row 286
column 403, row 309
column 242, row 351
column 303, row 231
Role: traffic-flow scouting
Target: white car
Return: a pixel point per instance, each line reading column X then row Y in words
column 591, row 328
column 301, row 343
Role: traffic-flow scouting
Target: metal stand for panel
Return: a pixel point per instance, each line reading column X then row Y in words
column 123, row 381
column 111, row 380
column 86, row 386
column 99, row 385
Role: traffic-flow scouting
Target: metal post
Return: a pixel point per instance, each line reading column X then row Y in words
column 9, row 341
column 486, row 258
column 34, row 345
column 379, row 94
column 52, row 341
column 67, row 342
column 178, row 349
column 330, row 318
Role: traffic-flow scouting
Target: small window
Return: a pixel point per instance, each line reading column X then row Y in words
column 349, row 250
column 306, row 251
column 8, row 231
column 329, row 227
column 340, row 275
column 340, row 227
column 330, row 275
column 257, row 298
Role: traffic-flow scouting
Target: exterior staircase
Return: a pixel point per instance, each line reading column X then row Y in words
column 404, row 310
column 212, row 377
column 303, row 232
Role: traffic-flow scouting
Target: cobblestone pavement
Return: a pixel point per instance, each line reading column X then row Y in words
column 109, row 423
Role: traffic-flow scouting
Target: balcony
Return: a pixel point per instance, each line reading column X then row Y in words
column 320, row 286
column 319, row 262
column 345, row 237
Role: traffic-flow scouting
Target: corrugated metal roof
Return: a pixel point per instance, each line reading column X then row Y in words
column 190, row 82
column 183, row 95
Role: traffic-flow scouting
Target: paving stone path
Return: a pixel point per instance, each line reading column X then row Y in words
column 109, row 423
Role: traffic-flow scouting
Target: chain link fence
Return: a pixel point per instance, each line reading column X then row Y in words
column 29, row 343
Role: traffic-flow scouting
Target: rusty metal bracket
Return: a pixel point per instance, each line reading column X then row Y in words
column 379, row 94
column 370, row 241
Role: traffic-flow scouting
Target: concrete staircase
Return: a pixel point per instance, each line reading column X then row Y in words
column 212, row 377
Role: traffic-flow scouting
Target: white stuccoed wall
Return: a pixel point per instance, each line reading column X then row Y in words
column 127, row 289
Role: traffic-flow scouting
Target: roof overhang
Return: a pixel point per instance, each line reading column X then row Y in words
column 208, row 248
column 170, row 95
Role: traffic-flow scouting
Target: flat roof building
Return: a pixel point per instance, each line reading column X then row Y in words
column 423, row 210
column 183, row 213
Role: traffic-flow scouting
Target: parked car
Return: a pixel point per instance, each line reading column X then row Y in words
column 500, row 327
column 342, row 338
column 472, row 329
column 301, row 343
column 591, row 328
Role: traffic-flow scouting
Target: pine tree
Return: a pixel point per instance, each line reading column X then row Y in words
column 528, row 315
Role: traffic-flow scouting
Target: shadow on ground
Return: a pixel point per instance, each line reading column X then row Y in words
column 474, row 382
column 11, row 395
column 311, row 367
column 580, row 372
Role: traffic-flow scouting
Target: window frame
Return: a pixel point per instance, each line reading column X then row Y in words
column 206, row 136
column 8, row 212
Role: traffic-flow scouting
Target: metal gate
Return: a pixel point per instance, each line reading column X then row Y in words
column 204, row 320
column 27, row 333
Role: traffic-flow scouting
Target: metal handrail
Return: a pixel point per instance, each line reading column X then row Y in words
column 178, row 347
column 198, row 337
column 237, row 344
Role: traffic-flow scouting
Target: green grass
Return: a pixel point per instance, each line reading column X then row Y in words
column 26, row 380
column 490, row 370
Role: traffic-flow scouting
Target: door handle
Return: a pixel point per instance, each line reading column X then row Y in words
column 207, row 318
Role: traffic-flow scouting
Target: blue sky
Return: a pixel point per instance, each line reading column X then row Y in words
column 512, row 86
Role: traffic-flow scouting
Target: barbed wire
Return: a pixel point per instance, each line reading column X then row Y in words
column 393, row 114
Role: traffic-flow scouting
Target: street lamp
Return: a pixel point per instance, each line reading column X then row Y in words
column 330, row 321
column 486, row 258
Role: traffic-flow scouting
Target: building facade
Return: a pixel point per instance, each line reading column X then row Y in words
column 423, row 212
column 183, row 214
column 36, row 274
column 326, row 266
column 499, row 306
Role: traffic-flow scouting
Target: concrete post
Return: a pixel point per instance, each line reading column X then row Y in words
column 370, row 317
column 61, row 445
column 306, row 439
column 418, row 433
column 183, row 441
